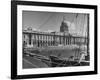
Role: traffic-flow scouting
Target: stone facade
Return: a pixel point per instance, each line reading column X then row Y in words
column 42, row 39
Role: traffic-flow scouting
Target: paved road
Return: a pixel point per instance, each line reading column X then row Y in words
column 31, row 62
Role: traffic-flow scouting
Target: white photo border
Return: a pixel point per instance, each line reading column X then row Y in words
column 21, row 71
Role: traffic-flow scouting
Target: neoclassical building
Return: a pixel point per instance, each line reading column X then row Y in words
column 33, row 38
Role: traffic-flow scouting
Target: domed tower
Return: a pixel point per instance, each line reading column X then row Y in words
column 64, row 26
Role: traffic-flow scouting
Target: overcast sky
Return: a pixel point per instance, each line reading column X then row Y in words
column 51, row 21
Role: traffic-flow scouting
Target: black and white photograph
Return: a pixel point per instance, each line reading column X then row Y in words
column 54, row 39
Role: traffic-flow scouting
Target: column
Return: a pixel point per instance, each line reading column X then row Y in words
column 34, row 39
column 69, row 40
column 65, row 40
column 29, row 35
column 43, row 40
column 38, row 40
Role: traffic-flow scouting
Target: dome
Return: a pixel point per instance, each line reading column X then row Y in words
column 64, row 27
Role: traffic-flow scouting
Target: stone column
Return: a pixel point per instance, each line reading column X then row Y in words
column 66, row 41
column 32, row 40
column 43, row 40
column 35, row 39
column 38, row 40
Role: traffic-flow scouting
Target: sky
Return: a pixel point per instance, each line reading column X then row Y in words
column 51, row 21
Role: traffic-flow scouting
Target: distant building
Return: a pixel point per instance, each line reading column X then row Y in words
column 41, row 39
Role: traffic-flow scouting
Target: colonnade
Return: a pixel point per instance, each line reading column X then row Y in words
column 43, row 40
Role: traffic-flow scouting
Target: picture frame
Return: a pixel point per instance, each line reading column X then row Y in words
column 19, row 11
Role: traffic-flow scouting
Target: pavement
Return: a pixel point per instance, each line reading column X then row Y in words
column 32, row 62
